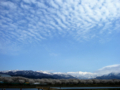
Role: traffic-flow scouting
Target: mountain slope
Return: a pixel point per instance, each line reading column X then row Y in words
column 36, row 75
column 110, row 76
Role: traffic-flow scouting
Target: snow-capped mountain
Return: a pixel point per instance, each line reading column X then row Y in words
column 83, row 75
column 110, row 76
column 112, row 70
column 68, row 75
column 36, row 74
column 107, row 72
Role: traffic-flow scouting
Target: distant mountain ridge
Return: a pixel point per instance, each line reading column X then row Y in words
column 36, row 74
column 42, row 74
column 109, row 76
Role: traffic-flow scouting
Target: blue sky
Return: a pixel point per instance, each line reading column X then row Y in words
column 59, row 35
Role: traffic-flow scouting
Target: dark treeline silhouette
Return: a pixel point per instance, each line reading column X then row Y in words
column 23, row 80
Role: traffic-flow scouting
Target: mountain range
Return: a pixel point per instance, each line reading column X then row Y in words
column 42, row 74
column 109, row 76
column 36, row 74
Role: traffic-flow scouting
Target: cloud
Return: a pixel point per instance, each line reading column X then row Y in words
column 110, row 66
column 31, row 21
column 109, row 69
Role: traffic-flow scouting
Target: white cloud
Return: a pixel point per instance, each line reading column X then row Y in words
column 110, row 66
column 8, row 4
column 109, row 69
column 75, row 18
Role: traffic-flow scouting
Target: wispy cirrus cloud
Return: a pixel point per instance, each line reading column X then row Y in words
column 35, row 20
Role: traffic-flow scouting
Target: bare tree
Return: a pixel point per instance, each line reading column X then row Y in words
column 21, row 81
column 64, row 81
column 96, row 81
column 89, row 81
column 104, row 81
column 31, row 81
column 116, row 81
column 10, row 80
column 83, row 81
column 1, row 79
column 57, row 81
column 73, row 81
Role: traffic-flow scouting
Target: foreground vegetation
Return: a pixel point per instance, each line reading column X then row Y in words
column 21, row 81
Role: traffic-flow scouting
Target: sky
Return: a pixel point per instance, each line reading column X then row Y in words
column 59, row 35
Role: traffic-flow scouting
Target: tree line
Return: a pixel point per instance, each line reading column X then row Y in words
column 23, row 80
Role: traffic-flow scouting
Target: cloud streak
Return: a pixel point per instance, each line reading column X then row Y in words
column 29, row 20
